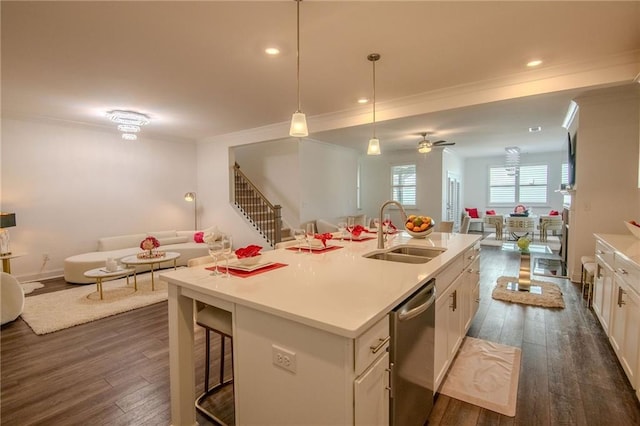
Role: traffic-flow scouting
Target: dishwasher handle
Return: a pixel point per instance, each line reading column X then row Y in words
column 429, row 292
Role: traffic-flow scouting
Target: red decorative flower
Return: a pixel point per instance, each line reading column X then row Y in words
column 149, row 243
column 248, row 251
column 323, row 238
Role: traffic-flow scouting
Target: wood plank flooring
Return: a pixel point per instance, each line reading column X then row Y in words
column 115, row 371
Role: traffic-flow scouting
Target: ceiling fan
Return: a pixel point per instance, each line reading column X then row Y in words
column 425, row 145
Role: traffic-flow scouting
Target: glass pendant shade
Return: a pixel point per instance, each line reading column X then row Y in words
column 374, row 147
column 298, row 125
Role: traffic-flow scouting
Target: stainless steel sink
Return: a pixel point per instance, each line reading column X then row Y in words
column 418, row 251
column 406, row 254
column 397, row 257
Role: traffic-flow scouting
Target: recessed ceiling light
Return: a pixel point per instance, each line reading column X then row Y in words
column 535, row 129
column 534, row 63
column 363, row 100
column 272, row 51
column 129, row 136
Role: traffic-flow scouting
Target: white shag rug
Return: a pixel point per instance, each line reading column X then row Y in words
column 553, row 242
column 49, row 312
column 551, row 296
column 30, row 286
column 485, row 374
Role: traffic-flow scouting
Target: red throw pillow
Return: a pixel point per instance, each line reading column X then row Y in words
column 554, row 213
column 198, row 237
column 473, row 213
column 491, row 212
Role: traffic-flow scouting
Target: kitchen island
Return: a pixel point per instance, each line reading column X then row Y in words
column 326, row 310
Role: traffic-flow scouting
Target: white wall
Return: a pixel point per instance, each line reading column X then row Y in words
column 476, row 181
column 606, row 169
column 70, row 185
column 376, row 182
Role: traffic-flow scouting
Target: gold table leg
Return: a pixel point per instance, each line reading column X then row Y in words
column 153, row 288
column 99, row 284
column 6, row 265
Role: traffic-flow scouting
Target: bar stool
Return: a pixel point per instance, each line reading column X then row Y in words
column 215, row 320
column 587, row 276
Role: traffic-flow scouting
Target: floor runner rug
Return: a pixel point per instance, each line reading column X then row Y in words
column 49, row 312
column 551, row 296
column 485, row 374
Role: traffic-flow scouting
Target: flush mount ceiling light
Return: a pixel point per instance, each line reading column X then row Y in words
column 128, row 117
column 534, row 63
column 129, row 128
column 535, row 129
column 129, row 136
column 363, row 100
column 298, row 127
column 272, row 51
column 374, row 143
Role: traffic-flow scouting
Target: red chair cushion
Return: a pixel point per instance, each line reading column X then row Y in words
column 554, row 213
column 491, row 212
column 473, row 213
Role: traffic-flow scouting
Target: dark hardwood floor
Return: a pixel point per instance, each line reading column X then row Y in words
column 115, row 371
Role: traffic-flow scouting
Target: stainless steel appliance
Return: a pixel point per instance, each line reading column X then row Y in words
column 411, row 357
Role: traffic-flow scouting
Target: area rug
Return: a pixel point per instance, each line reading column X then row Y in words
column 553, row 242
column 49, row 312
column 485, row 374
column 551, row 296
column 30, row 286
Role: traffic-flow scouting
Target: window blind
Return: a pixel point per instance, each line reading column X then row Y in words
column 403, row 184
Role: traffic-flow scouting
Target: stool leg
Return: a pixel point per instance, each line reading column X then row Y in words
column 221, row 359
column 207, row 356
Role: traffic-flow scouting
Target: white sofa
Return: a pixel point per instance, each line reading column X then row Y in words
column 117, row 247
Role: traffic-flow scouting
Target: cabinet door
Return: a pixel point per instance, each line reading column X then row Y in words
column 454, row 320
column 371, row 394
column 469, row 296
column 625, row 328
column 602, row 294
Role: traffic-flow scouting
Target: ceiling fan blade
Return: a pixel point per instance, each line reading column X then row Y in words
column 443, row 143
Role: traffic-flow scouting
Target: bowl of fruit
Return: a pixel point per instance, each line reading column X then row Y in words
column 633, row 227
column 419, row 226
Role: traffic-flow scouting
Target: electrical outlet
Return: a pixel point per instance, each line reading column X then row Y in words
column 45, row 257
column 283, row 358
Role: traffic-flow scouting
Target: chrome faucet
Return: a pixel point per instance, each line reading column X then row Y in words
column 382, row 239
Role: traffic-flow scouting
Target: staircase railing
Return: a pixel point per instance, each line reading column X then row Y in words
column 259, row 211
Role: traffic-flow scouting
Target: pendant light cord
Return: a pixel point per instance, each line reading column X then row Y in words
column 298, row 49
column 374, row 99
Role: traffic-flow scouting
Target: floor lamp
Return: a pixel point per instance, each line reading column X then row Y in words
column 191, row 196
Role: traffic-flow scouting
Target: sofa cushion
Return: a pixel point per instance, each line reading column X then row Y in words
column 120, row 242
column 162, row 234
column 172, row 240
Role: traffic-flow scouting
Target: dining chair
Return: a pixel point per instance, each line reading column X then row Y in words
column 218, row 321
column 497, row 222
column 464, row 226
column 446, row 226
column 549, row 223
column 517, row 226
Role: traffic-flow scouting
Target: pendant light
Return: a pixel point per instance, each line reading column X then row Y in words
column 374, row 143
column 298, row 120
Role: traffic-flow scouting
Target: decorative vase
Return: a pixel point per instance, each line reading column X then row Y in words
column 523, row 244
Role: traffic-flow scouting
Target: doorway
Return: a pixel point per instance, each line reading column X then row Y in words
column 452, row 201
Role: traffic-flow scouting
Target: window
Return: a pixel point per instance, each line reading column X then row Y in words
column 564, row 174
column 523, row 184
column 403, row 184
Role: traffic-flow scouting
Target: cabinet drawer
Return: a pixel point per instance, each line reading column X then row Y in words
column 371, row 344
column 446, row 277
column 604, row 253
column 470, row 255
column 628, row 272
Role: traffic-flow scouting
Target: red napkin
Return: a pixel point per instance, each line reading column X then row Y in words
column 634, row 223
column 357, row 230
column 248, row 251
column 323, row 237
column 390, row 226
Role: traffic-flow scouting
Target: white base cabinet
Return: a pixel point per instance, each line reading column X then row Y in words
column 371, row 394
column 456, row 306
column 616, row 301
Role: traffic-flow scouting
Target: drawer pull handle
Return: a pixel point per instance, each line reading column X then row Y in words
column 620, row 301
column 623, row 271
column 381, row 343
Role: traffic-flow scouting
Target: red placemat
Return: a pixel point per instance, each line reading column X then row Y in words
column 245, row 274
column 316, row 250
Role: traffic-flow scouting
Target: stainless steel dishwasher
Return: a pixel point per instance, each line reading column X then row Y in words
column 412, row 326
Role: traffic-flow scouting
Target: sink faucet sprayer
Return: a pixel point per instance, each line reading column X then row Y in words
column 381, row 238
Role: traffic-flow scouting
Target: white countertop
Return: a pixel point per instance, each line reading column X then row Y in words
column 339, row 291
column 626, row 244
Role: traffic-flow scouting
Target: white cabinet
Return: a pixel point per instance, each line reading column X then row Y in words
column 458, row 290
column 371, row 394
column 603, row 284
column 625, row 319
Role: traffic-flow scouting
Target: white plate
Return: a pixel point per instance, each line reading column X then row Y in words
column 248, row 268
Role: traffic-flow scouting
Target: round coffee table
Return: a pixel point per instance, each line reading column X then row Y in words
column 133, row 260
column 99, row 274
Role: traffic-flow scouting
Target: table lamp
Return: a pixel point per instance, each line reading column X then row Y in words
column 7, row 220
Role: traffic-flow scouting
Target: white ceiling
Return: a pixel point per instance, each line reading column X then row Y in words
column 198, row 68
